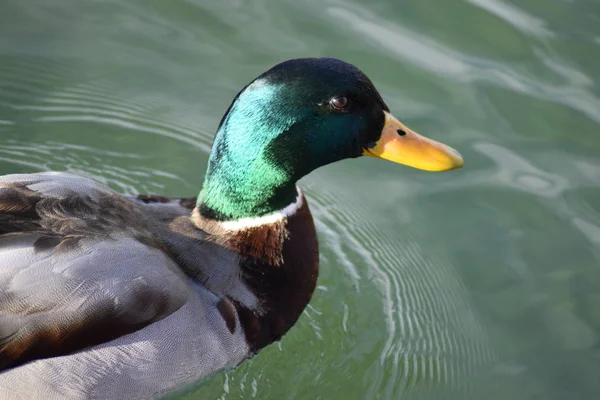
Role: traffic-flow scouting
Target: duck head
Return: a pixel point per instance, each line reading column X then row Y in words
column 298, row 116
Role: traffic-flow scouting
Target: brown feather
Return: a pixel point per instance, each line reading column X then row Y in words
column 280, row 265
column 262, row 243
column 285, row 290
column 227, row 310
column 30, row 331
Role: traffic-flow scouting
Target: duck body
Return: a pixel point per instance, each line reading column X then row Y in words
column 105, row 296
column 140, row 300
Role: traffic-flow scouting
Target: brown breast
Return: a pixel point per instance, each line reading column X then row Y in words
column 280, row 265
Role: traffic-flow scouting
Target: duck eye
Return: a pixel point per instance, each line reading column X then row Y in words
column 340, row 102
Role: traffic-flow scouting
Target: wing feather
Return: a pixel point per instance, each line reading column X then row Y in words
column 78, row 267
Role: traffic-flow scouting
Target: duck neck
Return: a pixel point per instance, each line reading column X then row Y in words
column 232, row 200
column 244, row 184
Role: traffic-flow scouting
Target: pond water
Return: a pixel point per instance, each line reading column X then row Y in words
column 481, row 283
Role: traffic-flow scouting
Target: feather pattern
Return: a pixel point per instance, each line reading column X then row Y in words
column 108, row 296
column 73, row 276
column 90, row 293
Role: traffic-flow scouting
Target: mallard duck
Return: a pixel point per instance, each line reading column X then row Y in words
column 106, row 296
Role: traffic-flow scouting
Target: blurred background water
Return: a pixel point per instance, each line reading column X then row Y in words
column 483, row 283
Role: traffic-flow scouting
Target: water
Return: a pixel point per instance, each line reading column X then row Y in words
column 480, row 283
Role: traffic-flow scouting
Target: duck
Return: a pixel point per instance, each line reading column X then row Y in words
column 111, row 296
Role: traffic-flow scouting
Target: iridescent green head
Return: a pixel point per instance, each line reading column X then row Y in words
column 298, row 116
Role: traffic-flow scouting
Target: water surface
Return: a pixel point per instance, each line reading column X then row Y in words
column 480, row 283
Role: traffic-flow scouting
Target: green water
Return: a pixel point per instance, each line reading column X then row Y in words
column 482, row 283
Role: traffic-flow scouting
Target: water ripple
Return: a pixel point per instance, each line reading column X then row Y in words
column 514, row 171
column 514, row 16
column 90, row 101
column 427, row 54
column 428, row 316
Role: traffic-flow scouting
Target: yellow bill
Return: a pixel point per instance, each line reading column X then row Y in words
column 404, row 146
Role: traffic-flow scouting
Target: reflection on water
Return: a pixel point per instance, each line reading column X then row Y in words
column 480, row 283
column 518, row 173
column 514, row 16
